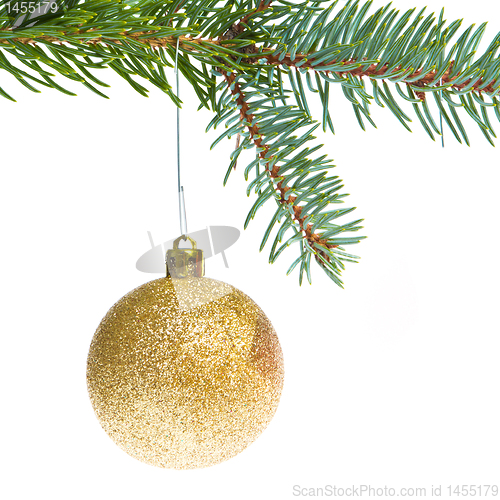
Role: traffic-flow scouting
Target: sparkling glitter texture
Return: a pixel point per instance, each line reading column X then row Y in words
column 184, row 387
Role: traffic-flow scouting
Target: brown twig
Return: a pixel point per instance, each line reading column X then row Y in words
column 187, row 42
column 375, row 70
column 152, row 41
column 261, row 8
column 254, row 132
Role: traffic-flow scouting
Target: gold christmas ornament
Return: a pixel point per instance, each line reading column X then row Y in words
column 184, row 371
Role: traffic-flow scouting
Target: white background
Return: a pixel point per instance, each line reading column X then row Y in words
column 393, row 381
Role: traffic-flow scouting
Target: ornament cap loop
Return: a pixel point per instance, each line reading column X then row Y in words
column 185, row 262
column 184, row 237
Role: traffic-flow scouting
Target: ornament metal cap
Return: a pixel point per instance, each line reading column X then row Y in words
column 185, row 262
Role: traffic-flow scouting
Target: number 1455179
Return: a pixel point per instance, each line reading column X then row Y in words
column 473, row 490
column 31, row 7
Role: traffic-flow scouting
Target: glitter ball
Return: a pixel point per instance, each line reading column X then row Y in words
column 184, row 373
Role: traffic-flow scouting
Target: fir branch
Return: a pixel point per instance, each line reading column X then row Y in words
column 242, row 24
column 254, row 45
column 303, row 190
column 313, row 238
column 414, row 78
column 302, row 61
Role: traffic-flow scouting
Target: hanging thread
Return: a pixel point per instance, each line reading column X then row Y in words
column 180, row 188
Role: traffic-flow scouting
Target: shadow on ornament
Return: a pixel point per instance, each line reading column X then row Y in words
column 213, row 240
